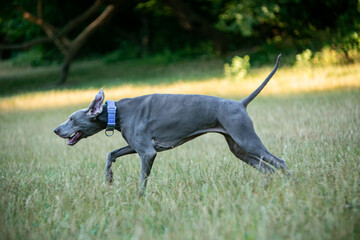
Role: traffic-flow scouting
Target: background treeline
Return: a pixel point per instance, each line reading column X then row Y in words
column 176, row 29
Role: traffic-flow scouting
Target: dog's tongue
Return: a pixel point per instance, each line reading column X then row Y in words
column 74, row 139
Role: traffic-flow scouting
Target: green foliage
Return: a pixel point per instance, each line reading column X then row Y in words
column 237, row 18
column 253, row 27
column 239, row 67
column 14, row 27
column 33, row 57
column 351, row 46
column 243, row 17
column 126, row 51
column 204, row 50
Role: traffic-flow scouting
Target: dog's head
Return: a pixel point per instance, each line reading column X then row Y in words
column 82, row 123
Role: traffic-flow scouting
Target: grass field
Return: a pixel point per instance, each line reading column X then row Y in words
column 199, row 190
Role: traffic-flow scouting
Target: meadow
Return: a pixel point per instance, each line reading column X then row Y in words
column 309, row 117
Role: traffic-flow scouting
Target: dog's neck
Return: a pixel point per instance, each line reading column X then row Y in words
column 103, row 117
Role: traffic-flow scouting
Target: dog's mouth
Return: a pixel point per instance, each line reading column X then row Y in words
column 74, row 138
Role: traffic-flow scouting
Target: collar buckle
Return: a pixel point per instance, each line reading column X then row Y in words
column 109, row 133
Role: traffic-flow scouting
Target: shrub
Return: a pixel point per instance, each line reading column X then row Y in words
column 351, row 47
column 328, row 56
column 238, row 68
column 304, row 59
column 341, row 52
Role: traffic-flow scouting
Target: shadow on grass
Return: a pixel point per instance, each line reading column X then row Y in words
column 96, row 74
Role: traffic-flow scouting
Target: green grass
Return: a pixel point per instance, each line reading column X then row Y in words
column 308, row 116
column 96, row 74
column 197, row 191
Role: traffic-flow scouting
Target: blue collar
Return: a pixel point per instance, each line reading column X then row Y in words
column 111, row 111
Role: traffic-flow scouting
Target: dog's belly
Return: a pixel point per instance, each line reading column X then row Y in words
column 166, row 144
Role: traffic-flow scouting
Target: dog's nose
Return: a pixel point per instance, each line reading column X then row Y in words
column 56, row 130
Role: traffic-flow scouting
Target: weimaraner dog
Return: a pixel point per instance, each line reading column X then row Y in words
column 159, row 122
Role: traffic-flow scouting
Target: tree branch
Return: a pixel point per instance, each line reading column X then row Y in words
column 61, row 42
column 78, row 20
column 58, row 36
column 26, row 45
column 98, row 22
column 79, row 41
column 32, row 18
column 71, row 25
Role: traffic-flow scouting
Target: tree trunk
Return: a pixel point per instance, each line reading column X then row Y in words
column 79, row 41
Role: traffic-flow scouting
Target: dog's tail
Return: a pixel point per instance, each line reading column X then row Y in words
column 251, row 97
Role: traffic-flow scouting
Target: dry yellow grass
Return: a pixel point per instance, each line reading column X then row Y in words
column 286, row 81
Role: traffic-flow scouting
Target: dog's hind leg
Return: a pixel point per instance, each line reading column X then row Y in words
column 247, row 158
column 112, row 158
column 243, row 134
column 277, row 162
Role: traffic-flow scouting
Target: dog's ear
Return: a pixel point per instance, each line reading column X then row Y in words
column 95, row 107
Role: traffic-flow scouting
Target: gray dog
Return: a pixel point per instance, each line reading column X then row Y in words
column 159, row 122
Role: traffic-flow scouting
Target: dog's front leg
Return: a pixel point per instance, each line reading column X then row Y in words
column 112, row 158
column 147, row 160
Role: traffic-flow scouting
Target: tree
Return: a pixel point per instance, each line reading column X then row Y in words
column 68, row 48
column 180, row 27
column 192, row 21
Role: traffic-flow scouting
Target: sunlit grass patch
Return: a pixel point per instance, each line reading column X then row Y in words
column 286, row 81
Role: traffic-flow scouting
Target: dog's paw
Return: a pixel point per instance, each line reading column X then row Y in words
column 109, row 176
